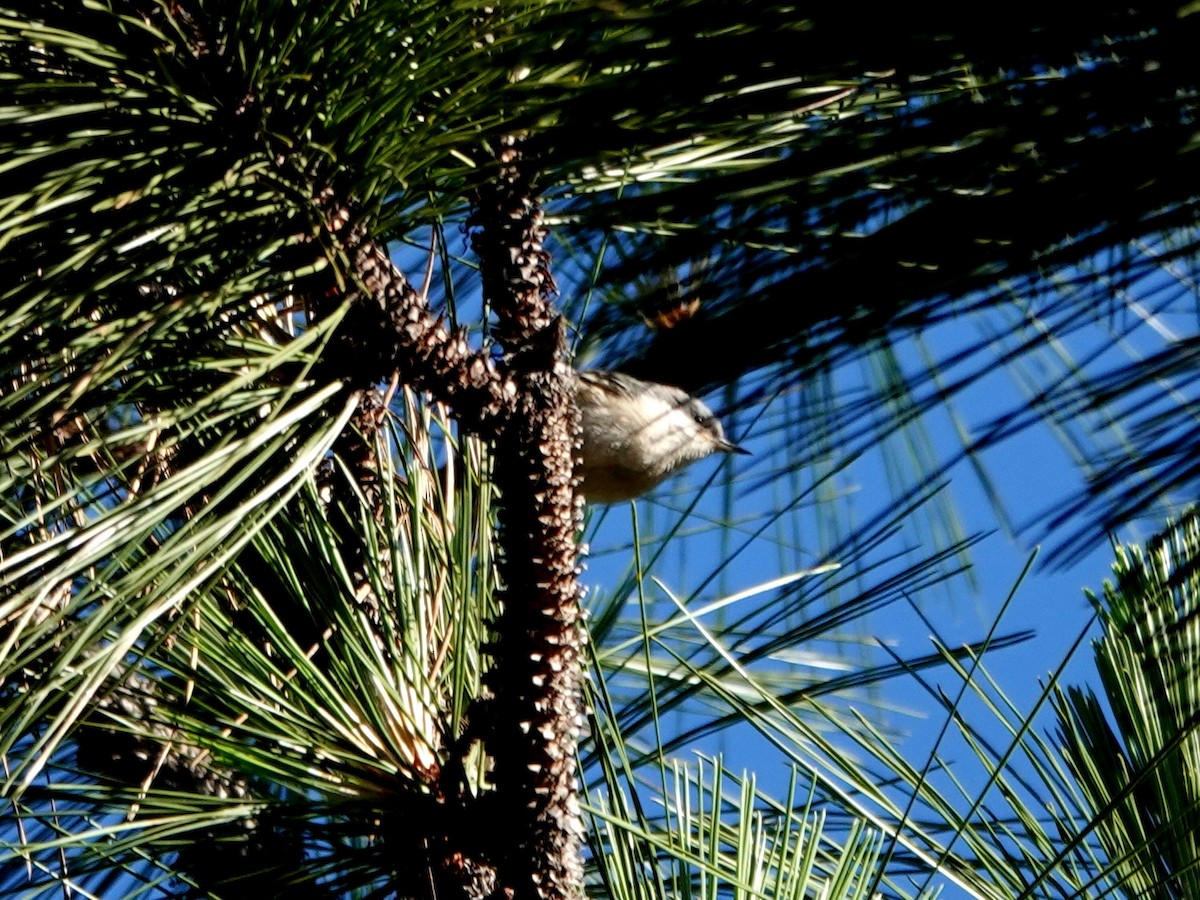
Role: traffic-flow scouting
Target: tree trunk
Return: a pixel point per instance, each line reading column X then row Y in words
column 536, row 713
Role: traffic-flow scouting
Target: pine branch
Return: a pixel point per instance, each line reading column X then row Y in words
column 534, row 723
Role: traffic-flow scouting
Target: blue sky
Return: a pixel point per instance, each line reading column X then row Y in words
column 1032, row 471
column 715, row 530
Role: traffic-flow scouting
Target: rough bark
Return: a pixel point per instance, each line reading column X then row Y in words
column 390, row 328
column 526, row 842
column 530, row 725
column 536, row 712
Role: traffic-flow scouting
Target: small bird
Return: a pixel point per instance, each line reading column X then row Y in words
column 635, row 433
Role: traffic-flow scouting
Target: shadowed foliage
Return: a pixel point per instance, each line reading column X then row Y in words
column 266, row 628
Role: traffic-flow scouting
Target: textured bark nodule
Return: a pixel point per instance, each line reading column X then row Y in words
column 530, row 844
column 535, row 716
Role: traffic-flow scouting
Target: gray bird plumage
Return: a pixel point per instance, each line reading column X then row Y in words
column 636, row 433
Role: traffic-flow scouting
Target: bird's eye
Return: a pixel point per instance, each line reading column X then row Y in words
column 701, row 418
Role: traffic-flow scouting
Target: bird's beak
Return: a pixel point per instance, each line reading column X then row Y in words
column 727, row 447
